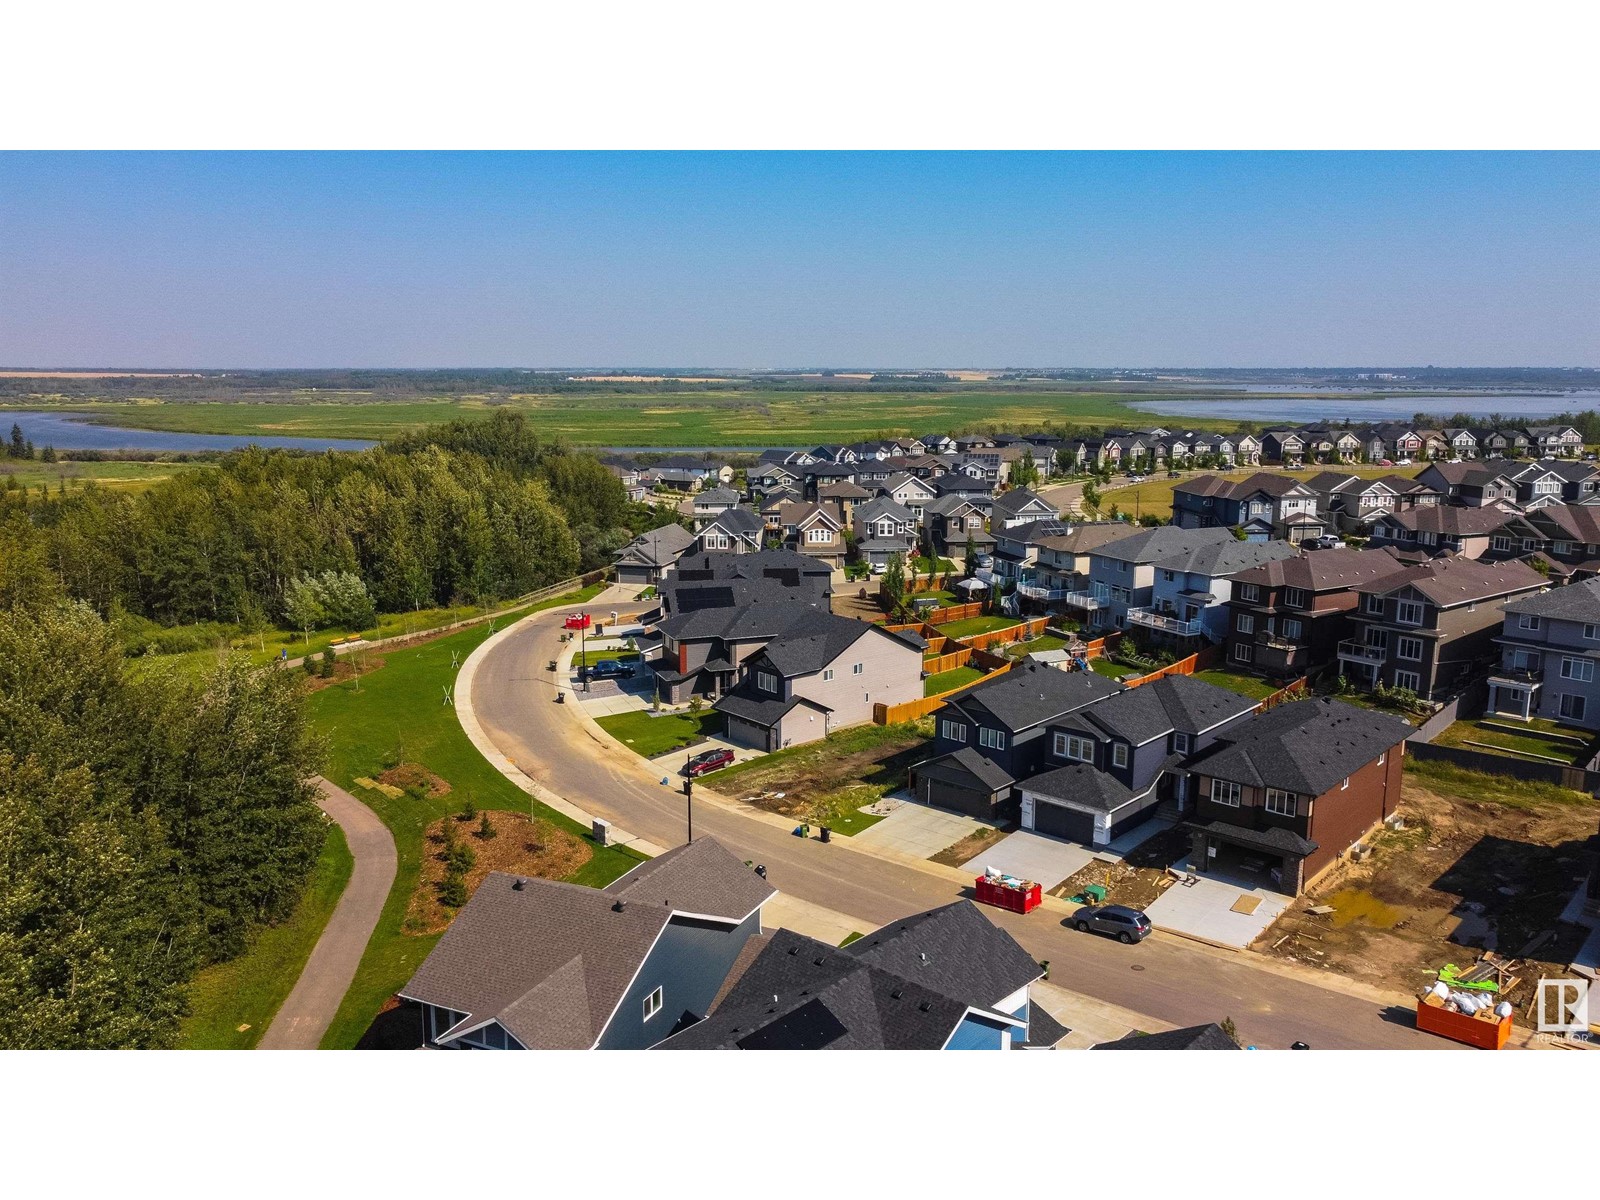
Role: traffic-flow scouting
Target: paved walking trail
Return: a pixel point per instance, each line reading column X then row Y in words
column 311, row 1006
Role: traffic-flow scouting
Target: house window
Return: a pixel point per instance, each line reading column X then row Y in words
column 1408, row 679
column 1225, row 793
column 1571, row 707
column 1408, row 612
column 1292, row 629
column 953, row 731
column 652, row 1004
column 1180, row 743
column 1529, row 545
column 818, row 535
column 1281, row 802
column 994, row 739
column 827, row 674
column 1372, row 603
column 1294, row 597
column 1250, row 592
column 1119, row 755
column 856, row 669
column 1243, row 652
column 1527, row 621
column 1581, row 669
column 1246, row 623
column 1409, row 647
column 1069, row 745
column 767, row 681
column 1591, row 632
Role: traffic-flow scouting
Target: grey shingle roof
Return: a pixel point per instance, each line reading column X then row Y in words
column 1274, row 838
column 1324, row 570
column 1195, row 1037
column 814, row 641
column 1164, row 541
column 1027, row 696
column 550, row 961
column 1176, row 703
column 1083, row 785
column 1575, row 602
column 985, row 771
column 1220, row 560
column 1305, row 747
column 659, row 546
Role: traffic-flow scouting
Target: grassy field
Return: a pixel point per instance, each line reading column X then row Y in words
column 651, row 735
column 1153, row 497
column 398, row 715
column 971, row 625
column 743, row 417
column 249, row 990
column 944, row 681
column 119, row 476
column 1499, row 735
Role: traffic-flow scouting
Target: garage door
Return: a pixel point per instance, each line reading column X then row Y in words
column 746, row 733
column 1062, row 822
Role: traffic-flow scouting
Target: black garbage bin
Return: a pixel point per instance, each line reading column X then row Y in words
column 827, row 833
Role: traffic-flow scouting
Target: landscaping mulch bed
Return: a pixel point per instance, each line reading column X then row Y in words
column 344, row 670
column 414, row 775
column 520, row 846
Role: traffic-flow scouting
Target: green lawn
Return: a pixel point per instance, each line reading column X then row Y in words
column 588, row 658
column 944, row 681
column 971, row 625
column 1245, row 685
column 1451, row 780
column 1492, row 736
column 399, row 711
column 1039, row 645
column 250, row 989
column 1111, row 670
column 932, row 566
column 650, row 735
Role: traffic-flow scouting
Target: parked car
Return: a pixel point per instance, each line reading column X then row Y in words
column 982, row 559
column 610, row 668
column 1327, row 541
column 709, row 760
column 1127, row 925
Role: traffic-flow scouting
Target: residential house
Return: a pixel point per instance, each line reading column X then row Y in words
column 1474, row 485
column 843, row 498
column 1288, row 793
column 704, row 644
column 814, row 530
column 1403, row 442
column 1555, row 441
column 1549, row 644
column 535, row 964
column 1189, row 597
column 1555, row 480
column 1111, row 765
column 1434, row 443
column 912, row 491
column 1020, row 506
column 1446, row 529
column 711, row 502
column 1052, row 558
column 954, row 520
column 1193, row 1037
column 671, row 479
column 1427, row 628
column 715, row 580
column 768, row 476
column 1286, row 618
column 736, row 530
column 1264, row 505
column 1004, row 721
column 937, row 443
column 1565, row 536
column 1505, row 443
column 1122, row 573
column 650, row 556
column 1463, row 443
column 947, row 979
column 1284, row 446
column 884, row 529
column 709, row 472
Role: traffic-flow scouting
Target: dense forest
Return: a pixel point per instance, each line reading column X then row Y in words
column 470, row 511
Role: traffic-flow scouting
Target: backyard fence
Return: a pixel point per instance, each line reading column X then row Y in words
column 894, row 714
column 1297, row 690
column 946, row 662
column 1004, row 637
column 1576, row 778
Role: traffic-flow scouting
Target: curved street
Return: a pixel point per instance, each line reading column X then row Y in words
column 512, row 697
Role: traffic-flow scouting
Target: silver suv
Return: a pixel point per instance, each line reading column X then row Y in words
column 1127, row 925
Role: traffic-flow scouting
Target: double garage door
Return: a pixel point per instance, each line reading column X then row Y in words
column 748, row 733
column 1061, row 822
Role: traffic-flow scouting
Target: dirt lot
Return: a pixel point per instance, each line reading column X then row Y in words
column 847, row 601
column 1463, row 874
column 1139, row 879
column 974, row 844
column 520, row 846
column 414, row 775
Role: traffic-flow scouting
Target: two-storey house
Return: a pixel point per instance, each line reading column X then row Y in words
column 1189, row 598
column 650, row 557
column 815, row 530
column 1555, row 481
column 1286, row 794
column 1020, row 506
column 1427, row 628
column 1555, row 441
column 1264, row 505
column 1122, row 573
column 884, row 529
column 1549, row 649
column 735, row 530
column 1471, row 484
column 1055, row 559
column 1447, row 529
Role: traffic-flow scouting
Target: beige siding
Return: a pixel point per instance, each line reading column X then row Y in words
column 891, row 673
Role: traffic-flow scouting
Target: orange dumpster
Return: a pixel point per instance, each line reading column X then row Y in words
column 1486, row 1032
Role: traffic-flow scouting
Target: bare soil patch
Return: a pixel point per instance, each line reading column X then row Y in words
column 1137, row 887
column 520, row 846
column 1462, row 875
column 969, row 847
column 345, row 669
column 414, row 775
column 829, row 778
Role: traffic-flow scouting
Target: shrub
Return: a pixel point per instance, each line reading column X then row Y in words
column 486, row 829
column 328, row 659
column 453, row 891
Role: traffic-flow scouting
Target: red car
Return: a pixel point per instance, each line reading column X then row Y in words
column 711, row 760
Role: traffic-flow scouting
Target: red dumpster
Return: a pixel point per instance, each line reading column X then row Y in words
column 1019, row 897
column 577, row 621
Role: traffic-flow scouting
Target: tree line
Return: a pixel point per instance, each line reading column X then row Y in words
column 465, row 512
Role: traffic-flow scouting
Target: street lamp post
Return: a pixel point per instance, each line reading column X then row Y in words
column 688, row 794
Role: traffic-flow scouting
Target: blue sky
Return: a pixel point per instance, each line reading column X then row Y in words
column 752, row 260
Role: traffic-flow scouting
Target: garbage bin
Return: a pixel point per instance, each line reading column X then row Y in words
column 826, row 833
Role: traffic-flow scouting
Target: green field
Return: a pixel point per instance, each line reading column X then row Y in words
column 250, row 989
column 650, row 735
column 1245, row 685
column 120, row 476
column 735, row 417
column 399, row 714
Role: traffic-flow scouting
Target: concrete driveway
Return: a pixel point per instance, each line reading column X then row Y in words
column 1044, row 860
column 916, row 830
column 1207, row 910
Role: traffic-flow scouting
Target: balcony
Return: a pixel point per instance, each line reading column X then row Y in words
column 1276, row 642
column 1361, row 652
column 1517, row 676
column 1086, row 600
column 1154, row 619
column 1034, row 591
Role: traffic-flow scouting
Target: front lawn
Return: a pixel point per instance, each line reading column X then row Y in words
column 649, row 735
column 398, row 716
column 250, row 989
column 1245, row 685
column 946, row 681
column 1490, row 735
column 588, row 658
column 972, row 625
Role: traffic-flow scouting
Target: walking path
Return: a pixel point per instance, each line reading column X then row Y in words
column 311, row 1006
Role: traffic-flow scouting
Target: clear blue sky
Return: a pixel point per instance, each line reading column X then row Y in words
column 751, row 260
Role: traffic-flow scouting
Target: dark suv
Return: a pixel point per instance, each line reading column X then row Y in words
column 710, row 760
column 610, row 668
column 1127, row 925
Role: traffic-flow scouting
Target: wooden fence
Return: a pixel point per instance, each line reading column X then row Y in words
column 1298, row 690
column 1204, row 660
column 955, row 612
column 1004, row 637
column 934, row 664
column 894, row 714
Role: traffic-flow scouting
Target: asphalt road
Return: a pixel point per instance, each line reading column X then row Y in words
column 1166, row 976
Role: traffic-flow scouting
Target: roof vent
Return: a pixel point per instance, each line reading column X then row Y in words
column 620, row 906
column 896, row 994
column 924, row 1006
column 817, row 962
column 923, row 956
column 516, row 884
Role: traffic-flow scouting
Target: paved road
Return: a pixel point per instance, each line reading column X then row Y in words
column 1179, row 981
column 311, row 1006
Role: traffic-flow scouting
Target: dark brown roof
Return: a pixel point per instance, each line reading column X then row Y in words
column 1324, row 570
column 1450, row 581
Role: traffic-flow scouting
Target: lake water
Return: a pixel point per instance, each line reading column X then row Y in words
column 1523, row 406
column 66, row 431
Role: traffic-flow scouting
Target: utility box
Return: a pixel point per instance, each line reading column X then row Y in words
column 602, row 831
